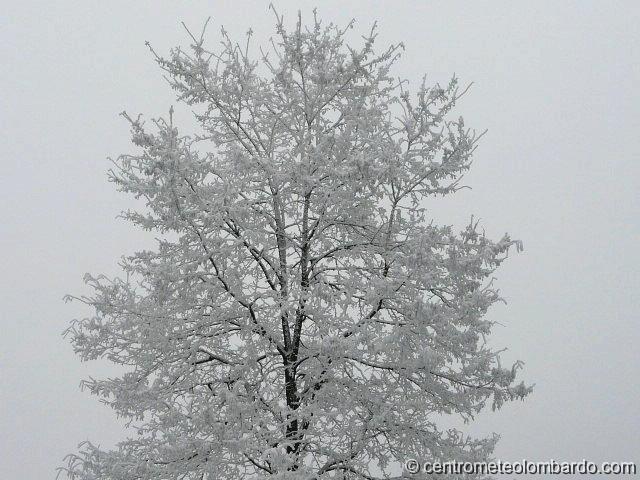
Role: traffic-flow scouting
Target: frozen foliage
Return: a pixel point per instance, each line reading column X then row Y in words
column 300, row 318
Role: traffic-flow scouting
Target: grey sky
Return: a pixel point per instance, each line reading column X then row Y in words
column 555, row 83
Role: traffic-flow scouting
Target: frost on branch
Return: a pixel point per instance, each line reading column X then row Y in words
column 300, row 317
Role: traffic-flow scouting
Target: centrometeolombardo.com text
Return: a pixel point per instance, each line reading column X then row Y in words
column 548, row 467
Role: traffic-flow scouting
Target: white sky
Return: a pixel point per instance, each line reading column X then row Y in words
column 556, row 84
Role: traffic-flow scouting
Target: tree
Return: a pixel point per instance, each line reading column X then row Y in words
column 300, row 317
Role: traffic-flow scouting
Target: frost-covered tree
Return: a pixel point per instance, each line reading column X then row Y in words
column 301, row 317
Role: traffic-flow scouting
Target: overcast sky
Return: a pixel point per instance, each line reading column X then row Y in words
column 556, row 85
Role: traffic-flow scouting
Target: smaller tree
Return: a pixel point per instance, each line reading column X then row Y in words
column 300, row 318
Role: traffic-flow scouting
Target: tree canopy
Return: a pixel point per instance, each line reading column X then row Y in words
column 300, row 317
